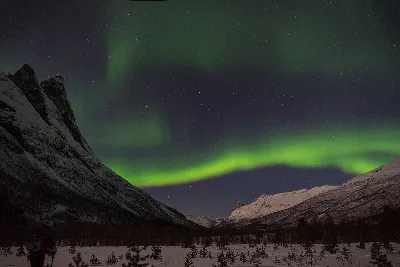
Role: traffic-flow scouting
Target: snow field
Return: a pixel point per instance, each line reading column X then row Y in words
column 174, row 256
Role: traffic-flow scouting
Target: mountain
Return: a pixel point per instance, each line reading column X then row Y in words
column 48, row 169
column 263, row 205
column 362, row 196
column 267, row 204
column 201, row 220
column 208, row 222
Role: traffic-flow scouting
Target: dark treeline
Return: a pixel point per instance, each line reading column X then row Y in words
column 383, row 227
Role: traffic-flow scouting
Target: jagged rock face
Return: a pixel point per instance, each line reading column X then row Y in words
column 46, row 167
column 25, row 79
column 55, row 90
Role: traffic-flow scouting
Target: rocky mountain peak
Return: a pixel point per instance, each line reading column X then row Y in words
column 25, row 73
column 238, row 205
column 55, row 90
column 44, row 170
column 25, row 79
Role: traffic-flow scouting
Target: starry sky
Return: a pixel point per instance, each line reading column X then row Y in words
column 206, row 103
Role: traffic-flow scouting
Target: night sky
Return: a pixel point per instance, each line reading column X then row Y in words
column 205, row 103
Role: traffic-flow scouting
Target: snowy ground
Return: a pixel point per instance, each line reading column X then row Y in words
column 175, row 256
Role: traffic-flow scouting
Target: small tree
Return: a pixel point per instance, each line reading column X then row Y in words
column 188, row 241
column 207, row 242
column 188, row 260
column 361, row 245
column 260, row 251
column 221, row 260
column 222, row 242
column 230, row 256
column 210, row 255
column 203, row 252
column 344, row 256
column 242, row 257
column 112, row 259
column 78, row 261
column 254, row 259
column 156, row 253
column 72, row 249
column 134, row 257
column 377, row 257
column 6, row 250
column 94, row 261
column 388, row 246
column 20, row 252
column 193, row 251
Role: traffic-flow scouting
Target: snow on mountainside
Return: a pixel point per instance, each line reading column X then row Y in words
column 263, row 205
column 47, row 167
column 201, row 220
column 267, row 204
column 362, row 196
column 208, row 222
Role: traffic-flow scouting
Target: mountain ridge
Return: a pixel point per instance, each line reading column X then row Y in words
column 262, row 205
column 362, row 196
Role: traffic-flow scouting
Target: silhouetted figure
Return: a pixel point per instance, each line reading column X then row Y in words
column 41, row 244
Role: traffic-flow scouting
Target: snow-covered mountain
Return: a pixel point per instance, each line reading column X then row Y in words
column 267, row 204
column 201, row 220
column 362, row 196
column 262, row 206
column 47, row 167
column 208, row 222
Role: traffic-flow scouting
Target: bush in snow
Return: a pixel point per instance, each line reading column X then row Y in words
column 222, row 242
column 94, row 261
column 222, row 261
column 242, row 257
column 345, row 258
column 78, row 261
column 207, row 242
column 306, row 255
column 361, row 245
column 187, row 241
column 260, row 252
column 20, row 252
column 210, row 255
column 134, row 258
column 188, row 260
column 230, row 256
column 6, row 251
column 112, row 260
column 203, row 252
column 156, row 253
column 193, row 251
column 377, row 257
column 72, row 249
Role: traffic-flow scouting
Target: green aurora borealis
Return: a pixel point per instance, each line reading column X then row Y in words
column 341, row 40
column 353, row 151
column 172, row 92
column 315, row 38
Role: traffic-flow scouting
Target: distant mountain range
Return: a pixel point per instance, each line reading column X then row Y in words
column 361, row 197
column 48, row 169
column 263, row 205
